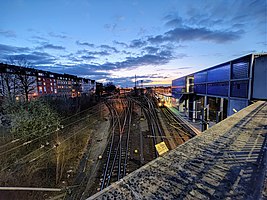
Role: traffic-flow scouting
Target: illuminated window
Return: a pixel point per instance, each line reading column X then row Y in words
column 40, row 89
column 44, row 83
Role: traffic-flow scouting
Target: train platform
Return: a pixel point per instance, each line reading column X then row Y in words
column 228, row 161
column 197, row 124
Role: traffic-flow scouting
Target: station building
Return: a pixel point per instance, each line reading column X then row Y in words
column 222, row 89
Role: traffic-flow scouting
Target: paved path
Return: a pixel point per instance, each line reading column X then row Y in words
column 225, row 162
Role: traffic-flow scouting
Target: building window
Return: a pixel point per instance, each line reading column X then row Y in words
column 44, row 89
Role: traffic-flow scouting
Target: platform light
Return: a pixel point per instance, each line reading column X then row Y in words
column 235, row 111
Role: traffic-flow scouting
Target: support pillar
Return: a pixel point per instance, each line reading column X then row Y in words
column 194, row 110
column 205, row 101
column 221, row 109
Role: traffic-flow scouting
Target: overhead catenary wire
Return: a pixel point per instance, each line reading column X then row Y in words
column 34, row 159
column 35, row 139
column 21, row 138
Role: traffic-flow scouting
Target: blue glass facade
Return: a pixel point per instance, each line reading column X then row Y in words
column 219, row 74
column 218, row 80
column 178, row 86
column 220, row 89
column 240, row 70
column 200, row 88
column 200, row 77
column 239, row 89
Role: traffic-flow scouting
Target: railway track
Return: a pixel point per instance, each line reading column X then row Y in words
column 117, row 152
column 179, row 132
column 156, row 134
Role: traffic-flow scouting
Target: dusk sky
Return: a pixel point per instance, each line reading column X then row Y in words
column 156, row 40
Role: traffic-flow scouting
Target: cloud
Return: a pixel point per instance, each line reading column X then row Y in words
column 55, row 35
column 8, row 49
column 160, row 58
column 151, row 49
column 83, row 70
column 126, row 52
column 88, row 57
column 138, row 43
column 120, row 43
column 202, row 34
column 46, row 45
column 39, row 38
column 7, row 33
column 109, row 48
column 174, row 22
column 36, row 58
column 92, row 53
column 84, row 44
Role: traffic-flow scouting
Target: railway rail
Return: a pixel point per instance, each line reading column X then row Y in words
column 117, row 152
column 179, row 132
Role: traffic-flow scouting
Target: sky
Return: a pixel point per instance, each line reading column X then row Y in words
column 112, row 41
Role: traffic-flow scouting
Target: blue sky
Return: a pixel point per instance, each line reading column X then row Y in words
column 115, row 40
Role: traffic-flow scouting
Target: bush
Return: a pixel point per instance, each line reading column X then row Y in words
column 32, row 118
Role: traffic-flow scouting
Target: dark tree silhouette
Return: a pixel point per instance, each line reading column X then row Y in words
column 110, row 87
column 25, row 78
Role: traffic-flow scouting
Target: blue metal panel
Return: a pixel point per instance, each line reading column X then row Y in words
column 179, row 82
column 240, row 70
column 178, row 86
column 200, row 77
column 200, row 88
column 220, row 89
column 176, row 94
column 239, row 89
column 219, row 74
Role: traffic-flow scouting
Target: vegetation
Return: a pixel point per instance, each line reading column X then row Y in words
column 110, row 88
column 30, row 119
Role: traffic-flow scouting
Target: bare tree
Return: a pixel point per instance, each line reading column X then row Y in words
column 8, row 84
column 25, row 77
